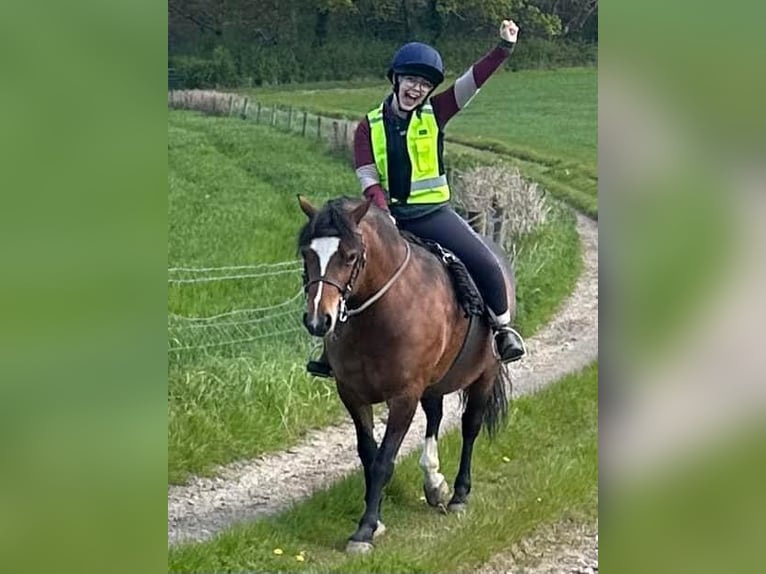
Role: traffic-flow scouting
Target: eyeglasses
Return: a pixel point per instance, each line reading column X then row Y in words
column 417, row 81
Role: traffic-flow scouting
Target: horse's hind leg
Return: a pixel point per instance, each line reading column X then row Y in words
column 434, row 484
column 400, row 413
column 478, row 396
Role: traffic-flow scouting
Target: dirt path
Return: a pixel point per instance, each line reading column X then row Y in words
column 246, row 491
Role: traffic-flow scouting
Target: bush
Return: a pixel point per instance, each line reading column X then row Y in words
column 217, row 71
column 542, row 53
column 357, row 58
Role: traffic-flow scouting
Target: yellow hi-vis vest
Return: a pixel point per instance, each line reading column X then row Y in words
column 427, row 184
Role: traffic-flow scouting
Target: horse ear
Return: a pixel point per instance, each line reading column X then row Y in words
column 306, row 207
column 359, row 212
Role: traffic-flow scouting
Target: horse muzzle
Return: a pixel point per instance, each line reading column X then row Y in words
column 319, row 324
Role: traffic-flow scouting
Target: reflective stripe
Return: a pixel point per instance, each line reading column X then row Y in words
column 429, row 183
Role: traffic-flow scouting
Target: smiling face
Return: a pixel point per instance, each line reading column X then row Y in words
column 413, row 91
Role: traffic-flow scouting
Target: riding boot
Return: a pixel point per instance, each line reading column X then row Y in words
column 320, row 367
column 510, row 346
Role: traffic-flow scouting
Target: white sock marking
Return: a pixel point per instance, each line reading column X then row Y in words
column 429, row 462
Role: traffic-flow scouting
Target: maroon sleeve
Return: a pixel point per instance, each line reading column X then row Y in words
column 363, row 144
column 449, row 102
column 364, row 162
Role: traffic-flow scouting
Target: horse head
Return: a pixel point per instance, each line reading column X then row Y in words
column 334, row 254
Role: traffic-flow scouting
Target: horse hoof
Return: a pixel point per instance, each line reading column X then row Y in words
column 354, row 547
column 457, row 507
column 379, row 531
column 437, row 496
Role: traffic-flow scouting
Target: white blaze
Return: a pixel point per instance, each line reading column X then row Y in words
column 325, row 248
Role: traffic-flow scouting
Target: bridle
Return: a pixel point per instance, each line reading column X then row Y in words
column 345, row 291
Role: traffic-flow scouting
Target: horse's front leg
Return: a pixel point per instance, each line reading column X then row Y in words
column 400, row 413
column 366, row 446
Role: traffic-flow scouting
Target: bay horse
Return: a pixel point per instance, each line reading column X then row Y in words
column 394, row 332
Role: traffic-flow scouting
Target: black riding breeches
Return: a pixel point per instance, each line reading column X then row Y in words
column 452, row 232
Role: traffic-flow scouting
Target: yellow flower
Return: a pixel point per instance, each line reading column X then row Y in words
column 506, row 459
column 278, row 551
column 300, row 558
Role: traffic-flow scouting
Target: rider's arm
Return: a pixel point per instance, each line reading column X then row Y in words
column 366, row 170
column 458, row 95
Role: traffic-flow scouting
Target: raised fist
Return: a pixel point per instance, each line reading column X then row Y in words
column 509, row 31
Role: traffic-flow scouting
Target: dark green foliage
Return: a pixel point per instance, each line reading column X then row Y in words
column 351, row 58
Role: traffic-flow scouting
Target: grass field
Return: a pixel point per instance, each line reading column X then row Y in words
column 232, row 202
column 545, row 122
column 542, row 468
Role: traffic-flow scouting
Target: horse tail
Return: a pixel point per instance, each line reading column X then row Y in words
column 496, row 411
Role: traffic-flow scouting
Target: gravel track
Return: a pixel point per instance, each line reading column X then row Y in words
column 249, row 490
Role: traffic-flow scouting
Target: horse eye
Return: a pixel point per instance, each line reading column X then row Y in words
column 351, row 258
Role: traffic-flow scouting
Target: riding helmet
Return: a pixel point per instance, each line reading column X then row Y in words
column 417, row 59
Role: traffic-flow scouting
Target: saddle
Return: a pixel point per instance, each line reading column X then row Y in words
column 466, row 292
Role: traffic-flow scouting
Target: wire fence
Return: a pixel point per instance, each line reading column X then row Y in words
column 237, row 331
column 338, row 133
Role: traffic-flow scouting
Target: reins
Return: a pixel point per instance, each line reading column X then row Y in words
column 382, row 291
column 344, row 312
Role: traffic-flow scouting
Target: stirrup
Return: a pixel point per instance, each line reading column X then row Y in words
column 319, row 369
column 513, row 347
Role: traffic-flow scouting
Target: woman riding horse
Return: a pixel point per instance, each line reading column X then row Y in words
column 398, row 149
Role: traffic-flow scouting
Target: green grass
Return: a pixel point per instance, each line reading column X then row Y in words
column 225, row 408
column 232, row 201
column 231, row 204
column 551, row 442
column 545, row 122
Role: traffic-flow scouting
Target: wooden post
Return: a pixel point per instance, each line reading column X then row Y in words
column 289, row 118
column 335, row 135
column 498, row 225
column 305, row 119
column 319, row 127
column 231, row 104
column 258, row 114
column 345, row 135
column 244, row 108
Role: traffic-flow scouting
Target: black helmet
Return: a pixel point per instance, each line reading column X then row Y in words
column 416, row 59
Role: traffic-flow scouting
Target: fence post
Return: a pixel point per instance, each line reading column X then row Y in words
column 273, row 115
column 244, row 108
column 319, row 127
column 258, row 114
column 345, row 135
column 498, row 224
column 231, row 104
column 289, row 118
column 335, row 135
column 305, row 119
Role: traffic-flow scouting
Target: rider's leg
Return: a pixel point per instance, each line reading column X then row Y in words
column 450, row 230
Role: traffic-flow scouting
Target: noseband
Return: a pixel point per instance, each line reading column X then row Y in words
column 343, row 311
